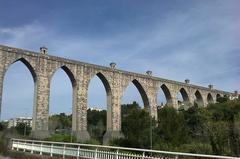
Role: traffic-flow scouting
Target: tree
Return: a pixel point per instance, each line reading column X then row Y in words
column 171, row 127
column 23, row 128
column 136, row 127
column 96, row 123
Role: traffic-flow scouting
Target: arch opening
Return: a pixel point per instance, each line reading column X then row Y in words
column 183, row 99
column 135, row 111
column 142, row 93
column 132, row 99
column 27, row 64
column 99, row 106
column 18, row 94
column 61, row 102
column 164, row 92
column 198, row 100
column 210, row 98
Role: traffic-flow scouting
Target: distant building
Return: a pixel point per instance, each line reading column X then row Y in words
column 96, row 109
column 14, row 121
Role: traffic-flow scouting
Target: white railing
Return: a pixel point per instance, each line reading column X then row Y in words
column 99, row 152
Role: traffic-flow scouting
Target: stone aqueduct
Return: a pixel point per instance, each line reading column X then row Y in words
column 43, row 66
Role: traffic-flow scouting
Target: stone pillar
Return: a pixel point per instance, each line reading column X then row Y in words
column 41, row 106
column 204, row 98
column 174, row 101
column 79, row 123
column 114, row 130
column 152, row 97
column 114, row 111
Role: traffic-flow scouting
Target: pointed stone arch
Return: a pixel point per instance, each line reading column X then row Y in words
column 167, row 94
column 199, row 98
column 68, row 72
column 210, row 98
column 27, row 64
column 105, row 83
column 185, row 97
column 142, row 93
column 73, row 81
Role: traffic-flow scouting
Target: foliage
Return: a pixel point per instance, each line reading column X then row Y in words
column 62, row 138
column 60, row 122
column 136, row 127
column 171, row 126
column 3, row 147
column 96, row 123
column 23, row 129
column 93, row 141
column 3, row 126
column 211, row 130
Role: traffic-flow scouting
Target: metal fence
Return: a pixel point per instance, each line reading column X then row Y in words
column 76, row 150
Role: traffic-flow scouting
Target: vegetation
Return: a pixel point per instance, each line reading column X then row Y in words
column 96, row 124
column 62, row 138
column 23, row 129
column 211, row 130
column 60, row 123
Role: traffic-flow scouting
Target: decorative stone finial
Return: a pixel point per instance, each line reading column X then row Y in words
column 210, row 86
column 149, row 73
column 113, row 65
column 187, row 81
column 44, row 50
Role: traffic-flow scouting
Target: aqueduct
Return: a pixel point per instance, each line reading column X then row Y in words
column 42, row 67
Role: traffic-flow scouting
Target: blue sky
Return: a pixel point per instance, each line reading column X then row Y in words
column 198, row 40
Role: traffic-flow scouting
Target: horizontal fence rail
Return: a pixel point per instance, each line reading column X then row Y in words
column 100, row 152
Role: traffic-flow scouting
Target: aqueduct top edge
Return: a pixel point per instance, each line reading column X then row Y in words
column 70, row 61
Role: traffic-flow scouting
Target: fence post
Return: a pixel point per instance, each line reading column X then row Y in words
column 17, row 145
column 41, row 149
column 176, row 157
column 117, row 154
column 78, row 153
column 143, row 155
column 51, row 149
column 12, row 145
column 95, row 155
column 64, row 147
column 32, row 148
column 25, row 146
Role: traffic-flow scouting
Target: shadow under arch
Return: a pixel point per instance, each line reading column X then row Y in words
column 199, row 98
column 218, row 96
column 167, row 94
column 210, row 98
column 143, row 94
column 185, row 97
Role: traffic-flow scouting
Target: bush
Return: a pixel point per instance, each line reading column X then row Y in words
column 62, row 138
column 93, row 142
column 199, row 148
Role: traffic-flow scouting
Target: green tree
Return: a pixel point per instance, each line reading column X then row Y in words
column 171, row 128
column 96, row 123
column 136, row 127
column 23, row 128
